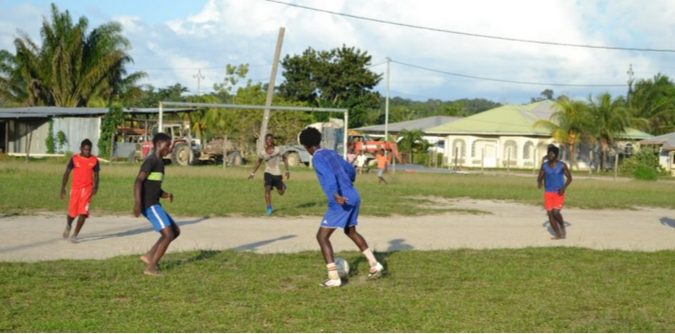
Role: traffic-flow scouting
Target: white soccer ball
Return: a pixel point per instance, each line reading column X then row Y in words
column 342, row 267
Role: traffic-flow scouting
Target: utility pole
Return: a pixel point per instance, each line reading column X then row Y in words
column 630, row 81
column 199, row 78
column 386, row 105
column 270, row 89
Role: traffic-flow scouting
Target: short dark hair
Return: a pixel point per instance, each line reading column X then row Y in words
column 310, row 137
column 554, row 149
column 160, row 137
column 269, row 135
column 86, row 142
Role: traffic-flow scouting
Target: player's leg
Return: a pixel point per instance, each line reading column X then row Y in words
column 80, row 222
column 162, row 245
column 147, row 257
column 560, row 222
column 554, row 224
column 323, row 237
column 268, row 199
column 72, row 212
column 69, row 226
column 280, row 184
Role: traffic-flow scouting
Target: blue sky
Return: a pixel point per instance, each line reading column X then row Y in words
column 173, row 39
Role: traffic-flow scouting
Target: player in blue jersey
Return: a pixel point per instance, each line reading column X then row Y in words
column 336, row 177
column 552, row 176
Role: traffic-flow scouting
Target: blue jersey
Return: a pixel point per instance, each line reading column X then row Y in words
column 555, row 178
column 335, row 175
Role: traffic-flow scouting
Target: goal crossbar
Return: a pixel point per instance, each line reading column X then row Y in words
column 259, row 107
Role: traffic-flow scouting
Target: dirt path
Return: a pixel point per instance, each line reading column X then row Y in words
column 509, row 225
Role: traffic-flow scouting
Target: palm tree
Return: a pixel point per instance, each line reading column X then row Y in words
column 410, row 141
column 609, row 118
column 654, row 100
column 70, row 66
column 568, row 124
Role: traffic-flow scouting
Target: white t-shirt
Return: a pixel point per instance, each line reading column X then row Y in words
column 272, row 160
column 361, row 160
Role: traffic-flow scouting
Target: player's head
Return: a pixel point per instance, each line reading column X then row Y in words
column 269, row 139
column 310, row 138
column 85, row 148
column 162, row 143
column 553, row 152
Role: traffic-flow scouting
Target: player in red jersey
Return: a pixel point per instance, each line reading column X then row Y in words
column 85, row 168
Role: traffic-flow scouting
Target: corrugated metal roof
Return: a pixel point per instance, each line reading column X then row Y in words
column 509, row 119
column 514, row 119
column 422, row 124
column 43, row 112
column 667, row 141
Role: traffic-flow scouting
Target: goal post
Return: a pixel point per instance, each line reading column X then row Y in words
column 345, row 112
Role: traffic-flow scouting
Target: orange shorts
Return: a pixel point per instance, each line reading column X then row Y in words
column 79, row 202
column 553, row 201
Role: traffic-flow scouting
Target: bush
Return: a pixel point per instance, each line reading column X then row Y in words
column 645, row 158
column 644, row 172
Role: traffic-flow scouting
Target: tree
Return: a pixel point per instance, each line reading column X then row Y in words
column 112, row 119
column 609, row 118
column 654, row 101
column 337, row 78
column 548, row 94
column 411, row 141
column 69, row 66
column 233, row 75
column 568, row 124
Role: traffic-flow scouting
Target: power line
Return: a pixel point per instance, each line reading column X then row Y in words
column 188, row 68
column 510, row 39
column 506, row 81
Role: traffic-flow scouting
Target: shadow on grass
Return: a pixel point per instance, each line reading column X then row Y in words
column 9, row 215
column 255, row 245
column 550, row 230
column 202, row 255
column 395, row 246
column 665, row 221
column 138, row 231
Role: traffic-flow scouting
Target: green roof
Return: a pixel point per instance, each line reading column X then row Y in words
column 508, row 119
column 513, row 119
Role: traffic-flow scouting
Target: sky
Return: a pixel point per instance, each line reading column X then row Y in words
column 172, row 40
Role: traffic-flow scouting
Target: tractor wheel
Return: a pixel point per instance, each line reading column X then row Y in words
column 293, row 159
column 234, row 159
column 182, row 155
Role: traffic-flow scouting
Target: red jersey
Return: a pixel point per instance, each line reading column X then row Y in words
column 83, row 171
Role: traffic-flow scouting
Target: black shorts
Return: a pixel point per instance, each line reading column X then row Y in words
column 274, row 181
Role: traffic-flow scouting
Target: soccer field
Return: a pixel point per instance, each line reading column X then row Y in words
column 526, row 290
column 210, row 190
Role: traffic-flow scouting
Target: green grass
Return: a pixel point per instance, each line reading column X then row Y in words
column 526, row 290
column 209, row 190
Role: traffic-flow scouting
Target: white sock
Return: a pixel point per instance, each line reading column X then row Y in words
column 332, row 271
column 371, row 257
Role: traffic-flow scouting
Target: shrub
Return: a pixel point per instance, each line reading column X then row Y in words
column 646, row 158
column 644, row 172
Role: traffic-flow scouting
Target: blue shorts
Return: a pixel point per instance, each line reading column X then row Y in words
column 341, row 216
column 158, row 217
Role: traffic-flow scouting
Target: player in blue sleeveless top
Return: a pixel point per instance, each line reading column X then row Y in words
column 552, row 174
column 337, row 180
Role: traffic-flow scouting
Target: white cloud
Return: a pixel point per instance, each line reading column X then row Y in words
column 227, row 31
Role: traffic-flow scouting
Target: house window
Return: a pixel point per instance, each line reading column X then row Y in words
column 528, row 150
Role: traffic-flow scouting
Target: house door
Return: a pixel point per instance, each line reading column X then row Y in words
column 490, row 160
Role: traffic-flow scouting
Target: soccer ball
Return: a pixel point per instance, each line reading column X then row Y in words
column 342, row 267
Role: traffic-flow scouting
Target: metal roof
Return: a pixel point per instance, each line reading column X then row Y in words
column 422, row 124
column 667, row 141
column 44, row 112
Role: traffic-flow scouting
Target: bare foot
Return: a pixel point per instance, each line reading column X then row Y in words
column 66, row 232
column 152, row 272
column 73, row 239
column 145, row 258
column 557, row 238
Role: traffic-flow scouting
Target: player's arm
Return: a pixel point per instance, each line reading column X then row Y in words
column 97, row 169
column 349, row 169
column 540, row 178
column 257, row 165
column 568, row 179
column 167, row 195
column 142, row 176
column 288, row 170
column 66, row 175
